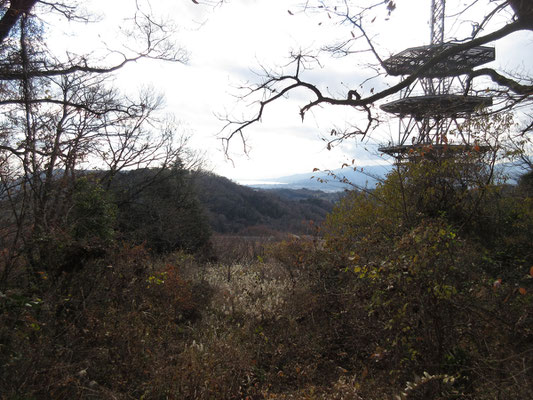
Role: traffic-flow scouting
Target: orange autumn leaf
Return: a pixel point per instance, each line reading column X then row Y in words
column 522, row 291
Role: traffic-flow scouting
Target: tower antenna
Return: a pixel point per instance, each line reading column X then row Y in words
column 431, row 108
column 437, row 21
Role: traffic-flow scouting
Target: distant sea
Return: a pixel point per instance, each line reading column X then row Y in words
column 252, row 183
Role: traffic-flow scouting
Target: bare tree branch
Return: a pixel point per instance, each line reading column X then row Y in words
column 277, row 86
column 511, row 84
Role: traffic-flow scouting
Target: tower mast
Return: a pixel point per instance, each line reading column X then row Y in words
column 437, row 21
column 428, row 110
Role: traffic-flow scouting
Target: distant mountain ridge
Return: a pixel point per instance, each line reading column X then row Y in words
column 365, row 177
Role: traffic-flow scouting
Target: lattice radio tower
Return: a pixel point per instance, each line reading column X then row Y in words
column 431, row 109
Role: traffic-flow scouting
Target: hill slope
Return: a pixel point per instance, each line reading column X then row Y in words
column 238, row 209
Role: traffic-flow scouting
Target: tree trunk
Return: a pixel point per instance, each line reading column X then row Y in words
column 13, row 13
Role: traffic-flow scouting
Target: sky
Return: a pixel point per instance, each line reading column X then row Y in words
column 227, row 45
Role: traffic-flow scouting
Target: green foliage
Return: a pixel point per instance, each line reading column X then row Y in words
column 526, row 182
column 161, row 209
column 64, row 241
column 436, row 256
column 93, row 214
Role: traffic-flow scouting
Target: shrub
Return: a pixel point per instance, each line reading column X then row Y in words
column 432, row 279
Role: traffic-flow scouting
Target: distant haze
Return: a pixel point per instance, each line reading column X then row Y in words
column 365, row 177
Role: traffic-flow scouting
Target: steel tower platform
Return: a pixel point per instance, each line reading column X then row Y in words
column 427, row 118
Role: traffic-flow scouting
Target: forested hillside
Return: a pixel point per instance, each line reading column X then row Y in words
column 160, row 209
column 178, row 209
column 237, row 209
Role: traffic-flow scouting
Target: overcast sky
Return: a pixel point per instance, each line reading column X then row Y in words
column 227, row 44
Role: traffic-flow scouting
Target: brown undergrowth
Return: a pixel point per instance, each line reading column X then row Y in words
column 291, row 319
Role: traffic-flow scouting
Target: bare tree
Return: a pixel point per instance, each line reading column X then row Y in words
column 512, row 90
column 61, row 117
